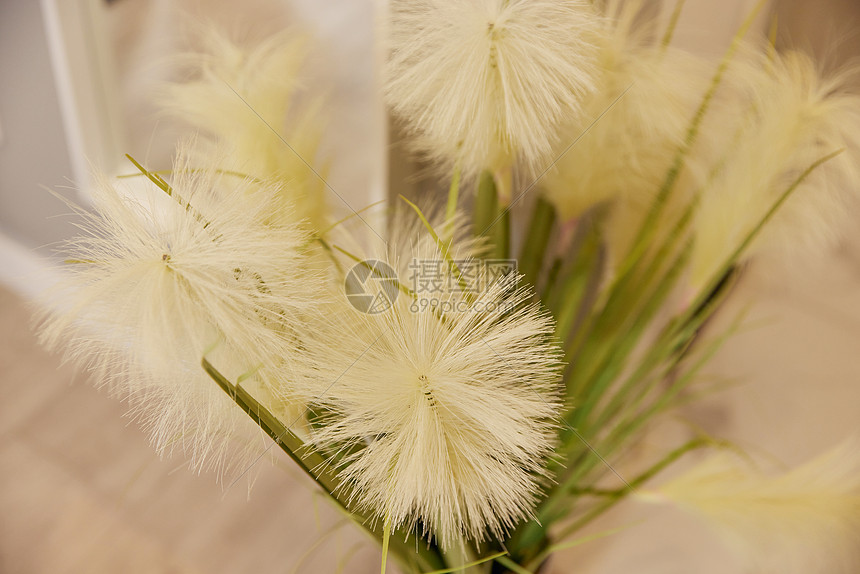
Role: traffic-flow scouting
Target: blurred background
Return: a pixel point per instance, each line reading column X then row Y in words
column 81, row 490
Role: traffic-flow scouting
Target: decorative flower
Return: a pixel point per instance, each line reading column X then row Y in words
column 246, row 98
column 155, row 285
column 445, row 402
column 790, row 117
column 802, row 520
column 483, row 83
column 633, row 123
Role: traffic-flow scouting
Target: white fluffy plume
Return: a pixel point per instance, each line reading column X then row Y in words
column 645, row 99
column 486, row 82
column 790, row 117
column 444, row 417
column 247, row 96
column 154, row 285
column 804, row 520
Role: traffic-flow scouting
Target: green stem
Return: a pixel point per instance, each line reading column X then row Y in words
column 614, row 331
column 651, row 222
column 673, row 23
column 511, row 565
column 453, row 196
column 471, row 564
column 444, row 249
column 311, row 461
column 534, row 534
column 564, row 546
column 550, row 285
column 486, row 204
column 577, row 286
column 649, row 374
column 621, row 494
column 537, row 238
column 315, row 466
column 732, row 259
column 633, row 328
column 492, row 218
column 386, row 536
column 161, row 172
column 161, row 184
column 501, row 234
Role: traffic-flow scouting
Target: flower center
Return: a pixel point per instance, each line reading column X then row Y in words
column 425, row 388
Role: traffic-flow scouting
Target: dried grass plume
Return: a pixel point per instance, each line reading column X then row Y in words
column 444, row 415
column 484, row 83
column 154, row 284
column 803, row 520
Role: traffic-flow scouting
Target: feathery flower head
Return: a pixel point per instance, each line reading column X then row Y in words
column 155, row 284
column 246, row 97
column 444, row 410
column 791, row 117
column 645, row 98
column 802, row 520
column 484, row 83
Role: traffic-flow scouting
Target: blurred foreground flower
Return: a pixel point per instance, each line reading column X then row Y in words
column 248, row 99
column 804, row 520
column 645, row 96
column 780, row 115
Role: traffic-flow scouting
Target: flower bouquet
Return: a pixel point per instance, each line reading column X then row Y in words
column 461, row 374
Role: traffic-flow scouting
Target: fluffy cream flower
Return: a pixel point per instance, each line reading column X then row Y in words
column 155, row 285
column 645, row 98
column 444, row 412
column 804, row 520
column 246, row 97
column 790, row 117
column 486, row 82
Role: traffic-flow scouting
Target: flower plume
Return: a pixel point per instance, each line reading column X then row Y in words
column 792, row 117
column 247, row 98
column 154, row 284
column 485, row 82
column 645, row 98
column 445, row 411
column 800, row 520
